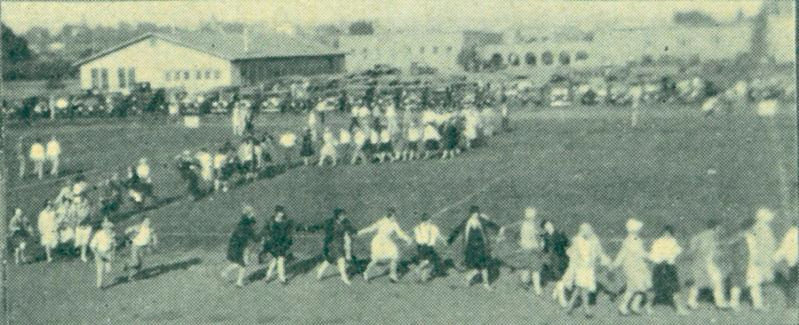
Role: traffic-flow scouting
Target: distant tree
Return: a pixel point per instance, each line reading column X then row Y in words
column 693, row 18
column 361, row 27
column 15, row 48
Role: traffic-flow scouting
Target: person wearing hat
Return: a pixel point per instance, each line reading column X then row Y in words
column 529, row 260
column 277, row 236
column 757, row 244
column 337, row 245
column 38, row 155
column 427, row 234
column 103, row 245
column 53, row 151
column 704, row 251
column 632, row 258
column 238, row 245
column 383, row 248
column 584, row 253
column 476, row 251
column 665, row 278
column 48, row 229
column 141, row 237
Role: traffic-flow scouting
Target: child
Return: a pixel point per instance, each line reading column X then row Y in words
column 412, row 145
column 382, row 246
column 328, row 150
column 53, row 152
column 530, row 248
column 277, row 237
column 360, row 144
column 665, row 278
column 48, row 229
column 632, row 258
column 703, row 250
column 306, row 150
column 102, row 245
column 584, row 255
column 238, row 245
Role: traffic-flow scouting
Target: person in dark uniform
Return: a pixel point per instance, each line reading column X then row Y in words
column 277, row 235
column 665, row 278
column 337, row 243
column 238, row 246
column 306, row 150
column 451, row 135
column 554, row 257
column 476, row 251
column 189, row 172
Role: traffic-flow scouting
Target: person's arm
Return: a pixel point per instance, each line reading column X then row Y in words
column 368, row 229
column 456, row 232
column 402, row 235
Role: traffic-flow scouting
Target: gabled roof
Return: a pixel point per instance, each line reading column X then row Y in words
column 231, row 46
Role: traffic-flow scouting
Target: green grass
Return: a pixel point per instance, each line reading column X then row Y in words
column 575, row 165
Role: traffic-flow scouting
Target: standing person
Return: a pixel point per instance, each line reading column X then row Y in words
column 103, row 245
column 238, row 245
column 382, row 246
column 337, row 247
column 287, row 141
column 430, row 137
column 427, row 234
column 665, row 278
column 788, row 251
column 53, row 153
column 703, row 250
column 246, row 158
column 344, row 142
column 141, row 237
column 584, row 253
column 555, row 259
column 20, row 233
column 530, row 250
column 328, row 150
column 38, row 155
column 476, row 251
column 758, row 245
column 205, row 162
column 359, row 146
column 222, row 169
column 373, row 145
column 386, row 148
column 312, row 120
column 48, row 229
column 23, row 160
column 306, row 150
column 277, row 235
column 236, row 120
column 632, row 258
column 413, row 135
column 505, row 125
column 83, row 229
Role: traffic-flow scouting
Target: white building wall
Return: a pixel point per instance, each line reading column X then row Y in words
column 400, row 50
column 781, row 38
column 162, row 64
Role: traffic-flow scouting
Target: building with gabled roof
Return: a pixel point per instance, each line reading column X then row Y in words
column 198, row 62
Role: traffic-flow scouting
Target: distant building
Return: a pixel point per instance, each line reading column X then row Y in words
column 201, row 61
column 403, row 49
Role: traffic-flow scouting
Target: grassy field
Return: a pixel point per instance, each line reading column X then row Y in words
column 575, row 165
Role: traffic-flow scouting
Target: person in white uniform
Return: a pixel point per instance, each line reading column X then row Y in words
column 53, row 151
column 38, row 155
column 141, row 237
column 413, row 136
column 760, row 245
column 48, row 229
column 383, row 248
column 632, row 258
column 103, row 245
column 530, row 249
column 287, row 141
column 328, row 150
column 359, row 142
column 427, row 235
column 83, row 229
column 665, row 278
column 206, row 163
column 788, row 252
column 344, row 142
column 584, row 254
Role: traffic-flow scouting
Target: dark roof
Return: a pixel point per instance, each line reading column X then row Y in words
column 231, row 46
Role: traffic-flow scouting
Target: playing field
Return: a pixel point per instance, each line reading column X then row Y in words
column 576, row 165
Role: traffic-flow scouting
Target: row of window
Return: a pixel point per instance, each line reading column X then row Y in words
column 530, row 59
column 99, row 78
column 422, row 50
column 177, row 75
column 125, row 76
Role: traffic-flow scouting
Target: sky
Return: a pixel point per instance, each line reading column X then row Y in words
column 457, row 14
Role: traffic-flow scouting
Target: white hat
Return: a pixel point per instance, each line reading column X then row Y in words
column 633, row 225
column 764, row 215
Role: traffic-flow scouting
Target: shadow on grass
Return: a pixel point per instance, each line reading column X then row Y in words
column 156, row 271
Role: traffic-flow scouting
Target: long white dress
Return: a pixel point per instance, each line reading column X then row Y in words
column 382, row 246
column 584, row 254
column 632, row 259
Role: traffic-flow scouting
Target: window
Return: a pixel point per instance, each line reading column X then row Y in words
column 530, row 59
column 95, row 78
column 131, row 77
column 581, row 56
column 198, row 74
column 217, row 74
column 121, row 78
column 435, row 49
column 547, row 58
column 104, row 78
column 564, row 58
column 207, row 74
column 186, row 75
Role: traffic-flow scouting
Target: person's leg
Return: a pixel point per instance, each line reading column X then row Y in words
column 693, row 297
column 39, row 166
column 635, row 305
column 470, row 276
column 675, row 299
column 586, row 303
column 240, row 277
column 624, row 302
column 342, row 270
column 650, row 300
column 98, row 262
column 83, row 249
column 393, row 269
column 572, row 303
column 281, row 269
column 735, row 298
column 718, row 286
column 486, row 280
column 22, row 168
column 321, row 160
column 536, row 278
column 54, row 170
column 524, row 277
column 321, row 270
column 270, row 269
column 369, row 267
column 757, row 297
column 224, row 274
column 49, row 253
column 334, row 158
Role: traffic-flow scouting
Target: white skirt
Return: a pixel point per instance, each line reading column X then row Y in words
column 67, row 234
column 585, row 277
column 49, row 239
column 82, row 235
column 384, row 249
column 328, row 150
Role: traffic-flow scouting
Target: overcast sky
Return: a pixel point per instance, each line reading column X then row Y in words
column 20, row 16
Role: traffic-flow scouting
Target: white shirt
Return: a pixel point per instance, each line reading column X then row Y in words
column 528, row 235
column 430, row 133
column 665, row 249
column 143, row 171
column 53, row 149
column 47, row 222
column 359, row 138
column 329, row 138
column 344, row 136
column 374, row 137
column 789, row 247
column 288, row 139
column 204, row 159
column 385, row 136
column 413, row 134
column 37, row 151
column 426, row 233
column 245, row 152
column 102, row 241
column 143, row 235
column 219, row 160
